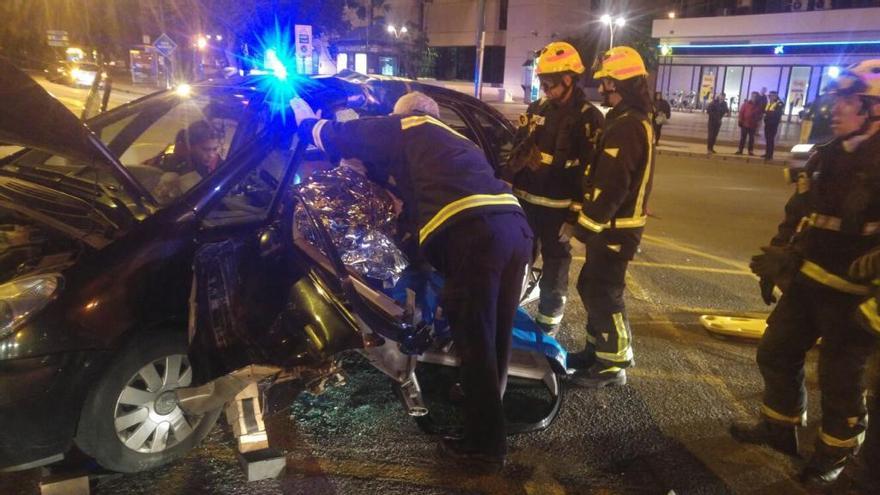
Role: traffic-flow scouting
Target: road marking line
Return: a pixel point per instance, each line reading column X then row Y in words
column 730, row 463
column 70, row 101
column 673, row 266
column 684, row 249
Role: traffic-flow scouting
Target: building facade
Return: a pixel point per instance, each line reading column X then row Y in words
column 514, row 30
column 795, row 52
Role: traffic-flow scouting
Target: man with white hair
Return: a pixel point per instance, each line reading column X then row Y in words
column 469, row 226
column 416, row 102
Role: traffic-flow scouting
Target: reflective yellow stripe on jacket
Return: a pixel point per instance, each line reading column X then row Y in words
column 547, row 159
column 410, row 122
column 462, row 204
column 541, row 200
column 870, row 312
column 819, row 274
column 638, row 219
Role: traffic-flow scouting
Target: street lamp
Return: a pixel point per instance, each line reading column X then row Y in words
column 612, row 22
column 201, row 42
column 397, row 32
column 671, row 14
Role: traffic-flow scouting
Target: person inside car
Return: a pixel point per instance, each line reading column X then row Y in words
column 194, row 155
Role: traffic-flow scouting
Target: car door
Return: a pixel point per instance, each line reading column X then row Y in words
column 255, row 298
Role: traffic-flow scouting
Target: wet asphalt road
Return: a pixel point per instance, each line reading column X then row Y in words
column 665, row 431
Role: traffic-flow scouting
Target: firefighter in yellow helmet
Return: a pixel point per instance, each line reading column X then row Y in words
column 613, row 216
column 832, row 219
column 553, row 147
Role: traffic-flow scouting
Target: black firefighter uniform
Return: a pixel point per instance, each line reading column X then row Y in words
column 565, row 136
column 613, row 216
column 832, row 219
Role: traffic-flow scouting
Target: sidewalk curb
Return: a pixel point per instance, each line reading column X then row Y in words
column 780, row 145
column 726, row 157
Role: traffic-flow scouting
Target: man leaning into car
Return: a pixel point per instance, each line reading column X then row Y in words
column 472, row 230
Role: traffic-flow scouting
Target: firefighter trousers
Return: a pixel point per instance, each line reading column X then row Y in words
column 483, row 259
column 805, row 313
column 601, row 285
column 545, row 223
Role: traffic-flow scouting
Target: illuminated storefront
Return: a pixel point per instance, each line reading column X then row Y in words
column 794, row 53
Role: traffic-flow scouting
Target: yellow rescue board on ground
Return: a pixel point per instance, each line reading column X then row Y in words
column 735, row 326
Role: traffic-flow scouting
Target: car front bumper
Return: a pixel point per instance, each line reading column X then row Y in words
column 40, row 403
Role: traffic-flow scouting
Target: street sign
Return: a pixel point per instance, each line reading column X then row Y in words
column 165, row 45
column 57, row 38
column 303, row 34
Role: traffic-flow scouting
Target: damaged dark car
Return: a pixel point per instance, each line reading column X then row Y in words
column 133, row 295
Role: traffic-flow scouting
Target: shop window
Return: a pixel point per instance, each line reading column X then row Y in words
column 388, row 66
column 797, row 90
column 360, row 63
column 732, row 84
column 457, row 63
column 341, row 62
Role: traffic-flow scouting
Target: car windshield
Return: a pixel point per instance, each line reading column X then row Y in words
column 168, row 143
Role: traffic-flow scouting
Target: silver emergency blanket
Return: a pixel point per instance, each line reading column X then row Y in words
column 359, row 216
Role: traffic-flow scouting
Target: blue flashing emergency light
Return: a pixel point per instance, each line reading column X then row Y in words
column 274, row 70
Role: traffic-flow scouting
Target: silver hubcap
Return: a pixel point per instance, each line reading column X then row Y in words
column 148, row 418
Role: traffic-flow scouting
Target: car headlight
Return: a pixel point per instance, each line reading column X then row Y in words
column 24, row 296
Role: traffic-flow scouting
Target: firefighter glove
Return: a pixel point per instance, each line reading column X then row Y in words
column 767, row 286
column 302, row 111
column 867, row 267
column 775, row 262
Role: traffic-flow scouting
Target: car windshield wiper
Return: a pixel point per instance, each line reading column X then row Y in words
column 81, row 184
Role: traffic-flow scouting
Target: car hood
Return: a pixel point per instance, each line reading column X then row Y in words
column 32, row 118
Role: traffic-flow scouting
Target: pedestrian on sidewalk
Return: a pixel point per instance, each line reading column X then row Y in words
column 763, row 99
column 772, row 116
column 716, row 111
column 749, row 117
column 662, row 113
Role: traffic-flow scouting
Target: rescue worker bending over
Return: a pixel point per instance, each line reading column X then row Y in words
column 832, row 219
column 613, row 217
column 553, row 147
column 471, row 229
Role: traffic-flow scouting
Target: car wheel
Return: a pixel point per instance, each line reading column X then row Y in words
column 131, row 421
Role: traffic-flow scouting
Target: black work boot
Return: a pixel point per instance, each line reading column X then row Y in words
column 778, row 436
column 823, row 470
column 581, row 360
column 599, row 375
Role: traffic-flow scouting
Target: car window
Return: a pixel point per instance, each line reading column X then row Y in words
column 146, row 139
column 453, row 119
column 497, row 134
column 251, row 198
column 160, row 152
